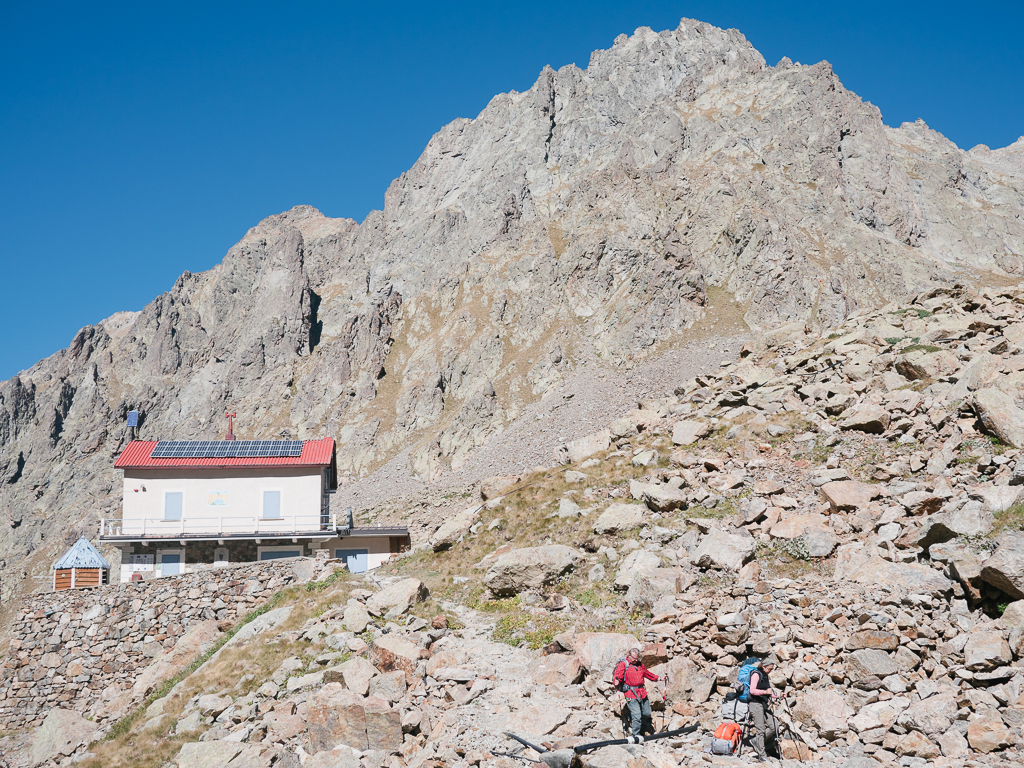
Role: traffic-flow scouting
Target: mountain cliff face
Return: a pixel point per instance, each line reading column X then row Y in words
column 593, row 219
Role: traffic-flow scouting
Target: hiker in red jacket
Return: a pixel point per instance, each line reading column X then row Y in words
column 630, row 675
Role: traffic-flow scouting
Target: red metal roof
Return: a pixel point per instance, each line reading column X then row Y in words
column 315, row 453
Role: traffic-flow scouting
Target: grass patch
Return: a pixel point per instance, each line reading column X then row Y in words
column 1011, row 519
column 921, row 313
column 927, row 348
column 784, row 559
column 524, row 629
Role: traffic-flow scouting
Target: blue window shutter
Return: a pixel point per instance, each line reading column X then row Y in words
column 271, row 504
column 173, row 502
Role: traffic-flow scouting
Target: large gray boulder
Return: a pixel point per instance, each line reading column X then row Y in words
column 639, row 561
column 905, row 578
column 688, row 432
column 986, row 650
column 453, row 529
column 578, row 450
column 620, row 517
column 61, row 733
column 999, row 413
column 529, row 568
column 724, row 551
column 870, row 662
column 1005, row 568
column 972, row 519
column 664, row 498
column 399, row 597
column 930, row 716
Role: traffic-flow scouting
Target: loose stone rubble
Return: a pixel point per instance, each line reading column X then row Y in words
column 839, row 502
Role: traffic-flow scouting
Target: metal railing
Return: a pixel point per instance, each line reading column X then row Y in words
column 214, row 526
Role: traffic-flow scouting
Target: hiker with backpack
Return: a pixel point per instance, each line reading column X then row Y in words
column 758, row 694
column 631, row 676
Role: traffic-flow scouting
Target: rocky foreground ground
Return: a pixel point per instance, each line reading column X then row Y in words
column 850, row 503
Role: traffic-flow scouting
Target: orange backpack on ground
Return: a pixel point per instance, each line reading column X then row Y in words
column 730, row 732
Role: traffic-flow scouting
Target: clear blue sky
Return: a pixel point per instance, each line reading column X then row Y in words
column 141, row 140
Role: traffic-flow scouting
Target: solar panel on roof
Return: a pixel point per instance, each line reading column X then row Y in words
column 133, row 418
column 226, row 449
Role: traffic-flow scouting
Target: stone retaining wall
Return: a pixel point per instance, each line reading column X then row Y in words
column 67, row 647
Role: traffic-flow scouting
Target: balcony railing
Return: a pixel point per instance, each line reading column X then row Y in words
column 216, row 526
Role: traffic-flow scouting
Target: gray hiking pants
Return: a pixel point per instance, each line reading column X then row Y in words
column 640, row 716
column 764, row 725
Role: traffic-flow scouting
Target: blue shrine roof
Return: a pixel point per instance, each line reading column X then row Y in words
column 82, row 555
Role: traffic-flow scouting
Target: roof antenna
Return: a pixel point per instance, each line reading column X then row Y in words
column 231, row 425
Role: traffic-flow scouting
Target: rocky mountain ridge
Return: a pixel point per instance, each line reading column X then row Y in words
column 676, row 189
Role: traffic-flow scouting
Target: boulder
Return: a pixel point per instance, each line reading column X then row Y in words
column 987, row 732
column 356, row 618
column 624, row 427
column 819, row 541
column 453, row 529
column 793, row 527
column 997, row 498
column 578, row 450
column 931, row 716
column 567, row 508
column 529, row 568
column 61, row 733
column 210, row 704
column 1004, row 569
column 725, row 551
column 972, row 519
column 848, row 495
column 214, row 754
column 557, row 669
column 383, row 725
column 688, row 682
column 337, row 716
column 635, row 563
column 870, row 662
column 597, row 652
column 398, row 597
column 986, row 650
column 865, row 418
column 952, row 743
column 391, row 652
column 687, row 432
column 1000, row 415
column 824, row 710
column 921, row 364
column 664, row 498
column 620, row 517
column 921, row 502
column 877, row 639
column 649, row 585
column 907, row 578
column 915, row 744
column 357, row 673
column 493, row 487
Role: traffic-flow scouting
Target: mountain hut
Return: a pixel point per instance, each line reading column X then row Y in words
column 81, row 566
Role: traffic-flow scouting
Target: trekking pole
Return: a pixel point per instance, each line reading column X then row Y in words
column 664, row 703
